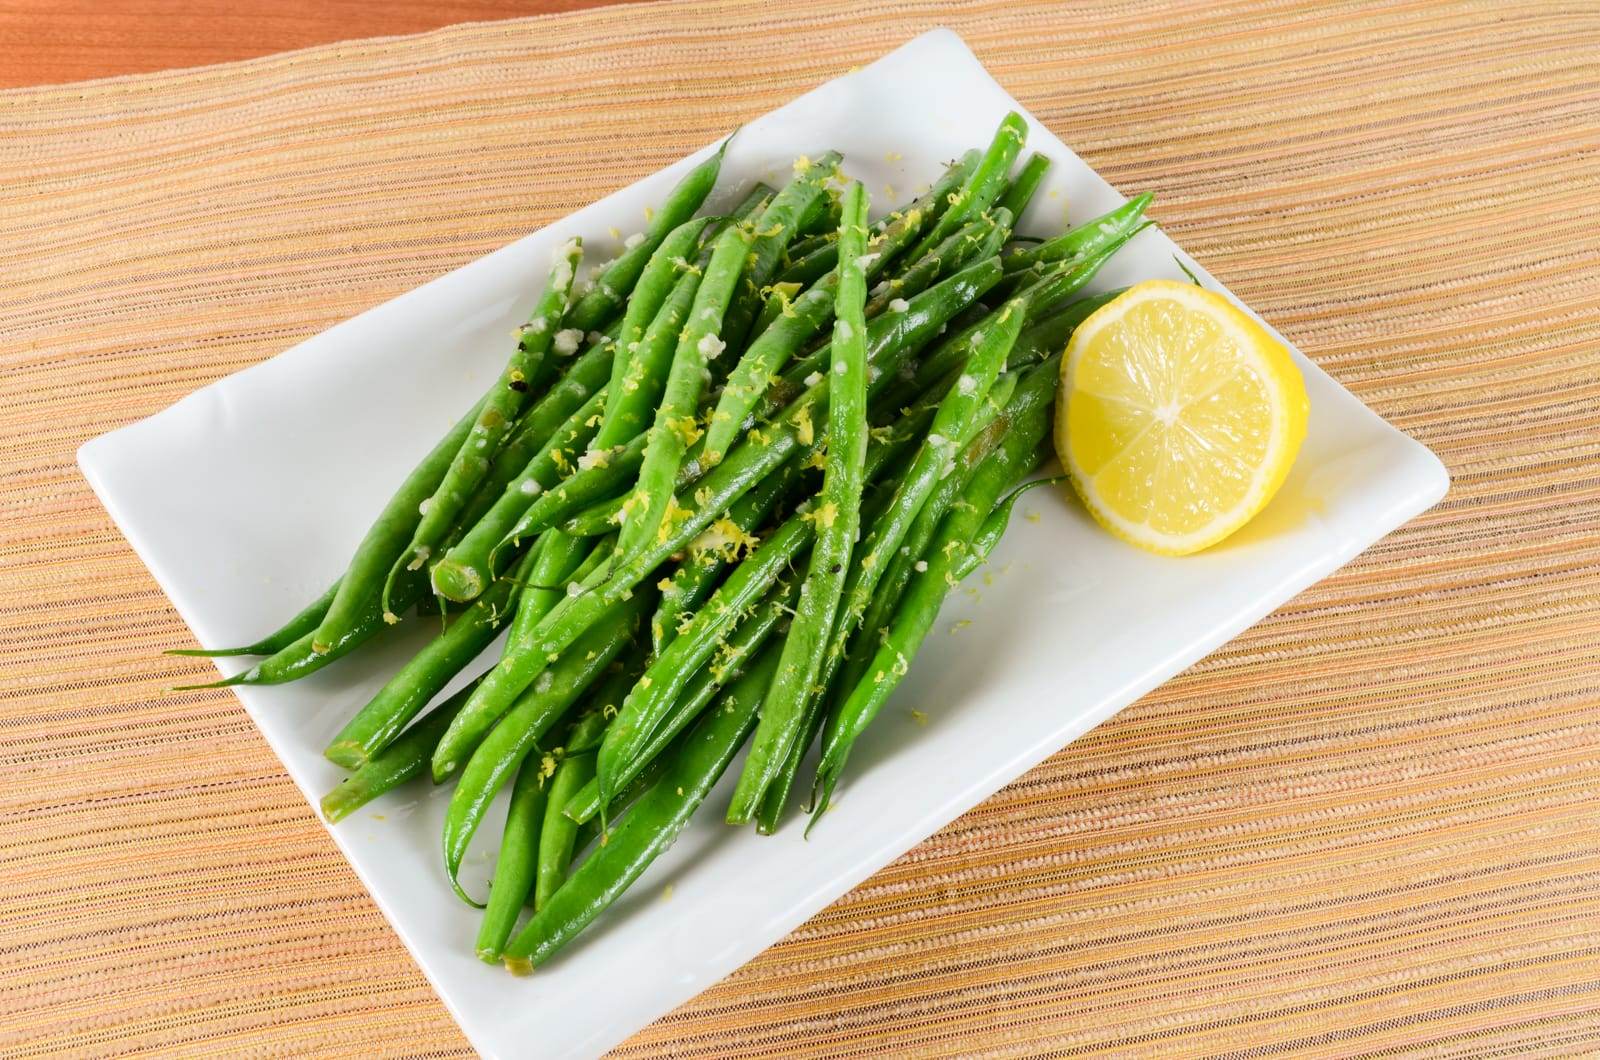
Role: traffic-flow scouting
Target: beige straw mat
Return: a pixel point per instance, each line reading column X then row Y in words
column 1367, row 827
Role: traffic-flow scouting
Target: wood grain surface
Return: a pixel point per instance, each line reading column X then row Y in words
column 46, row 42
column 1366, row 827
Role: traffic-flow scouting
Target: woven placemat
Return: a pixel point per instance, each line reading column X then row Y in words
column 1369, row 826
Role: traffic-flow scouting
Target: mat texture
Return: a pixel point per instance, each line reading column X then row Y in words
column 1369, row 826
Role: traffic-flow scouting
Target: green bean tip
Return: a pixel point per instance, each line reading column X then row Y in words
column 346, row 753
column 236, row 679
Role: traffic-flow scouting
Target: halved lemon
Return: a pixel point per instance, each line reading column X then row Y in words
column 1180, row 416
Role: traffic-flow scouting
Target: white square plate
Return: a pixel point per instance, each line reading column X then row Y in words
column 282, row 466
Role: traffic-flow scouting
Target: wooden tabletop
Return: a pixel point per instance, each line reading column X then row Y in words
column 48, row 43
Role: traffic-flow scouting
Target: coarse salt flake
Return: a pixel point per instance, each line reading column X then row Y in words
column 530, row 487
column 898, row 305
column 967, row 384
column 711, row 347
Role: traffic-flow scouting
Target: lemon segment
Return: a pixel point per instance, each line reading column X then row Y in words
column 1179, row 416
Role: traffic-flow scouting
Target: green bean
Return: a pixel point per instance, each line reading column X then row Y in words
column 749, row 582
column 1112, row 226
column 779, row 295
column 770, row 351
column 514, row 865
column 274, row 642
column 708, row 556
column 961, row 415
column 1050, row 284
column 821, row 218
column 653, row 696
column 558, row 832
column 754, row 201
column 376, row 725
column 403, row 760
column 983, row 185
column 650, row 363
column 595, row 519
column 911, row 220
column 928, row 588
column 468, row 729
column 994, row 526
column 805, row 317
column 302, row 659
column 818, row 261
column 556, row 560
column 605, row 699
column 777, row 793
column 890, row 339
column 466, row 568
column 503, row 749
column 1019, row 193
column 386, row 540
column 551, row 414
column 977, row 239
column 661, row 278
column 640, row 721
column 594, row 568
column 674, row 428
column 803, row 247
column 606, row 695
column 606, row 515
column 731, row 660
column 838, row 520
column 999, row 233
column 650, row 827
column 888, row 530
column 585, row 486
column 773, row 231
column 589, row 829
column 1048, row 291
column 891, row 586
column 1048, row 334
column 619, row 278
column 503, row 404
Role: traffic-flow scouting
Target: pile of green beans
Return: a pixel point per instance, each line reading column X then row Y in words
column 714, row 500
